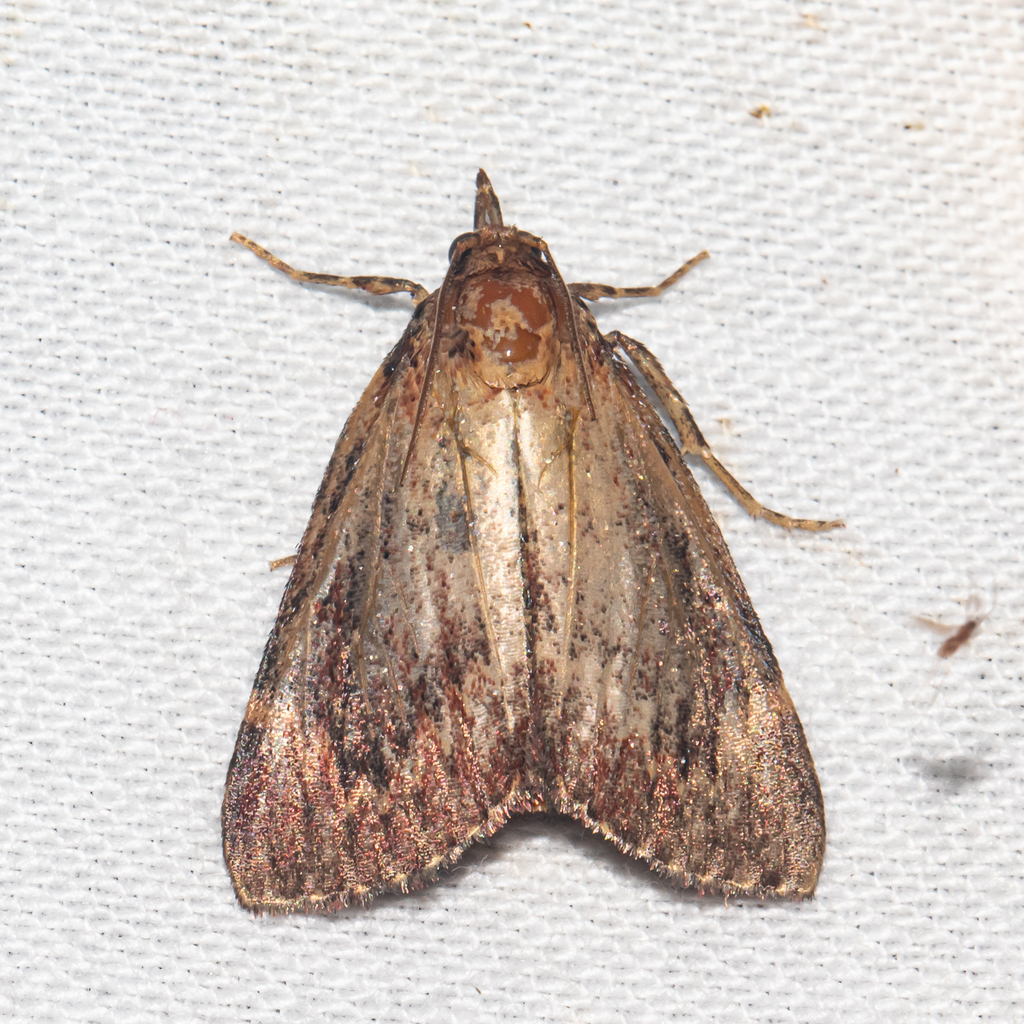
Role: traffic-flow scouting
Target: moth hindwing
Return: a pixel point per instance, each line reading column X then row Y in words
column 512, row 597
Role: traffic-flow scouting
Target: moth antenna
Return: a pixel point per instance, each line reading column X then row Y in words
column 576, row 344
column 428, row 373
column 488, row 210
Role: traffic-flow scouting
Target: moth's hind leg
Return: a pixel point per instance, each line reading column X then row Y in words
column 693, row 442
column 373, row 284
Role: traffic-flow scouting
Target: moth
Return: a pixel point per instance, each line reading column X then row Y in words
column 511, row 597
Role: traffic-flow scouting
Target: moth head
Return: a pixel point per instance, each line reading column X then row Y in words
column 500, row 295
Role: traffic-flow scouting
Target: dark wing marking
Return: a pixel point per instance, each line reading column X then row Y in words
column 669, row 729
column 381, row 735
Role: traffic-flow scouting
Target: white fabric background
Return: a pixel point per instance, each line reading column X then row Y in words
column 852, row 349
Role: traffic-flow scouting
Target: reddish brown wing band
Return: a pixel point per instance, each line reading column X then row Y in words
column 511, row 596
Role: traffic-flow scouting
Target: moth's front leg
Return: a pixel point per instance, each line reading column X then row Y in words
column 374, row 284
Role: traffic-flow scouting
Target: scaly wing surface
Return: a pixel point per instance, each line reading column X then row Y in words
column 668, row 726
column 385, row 728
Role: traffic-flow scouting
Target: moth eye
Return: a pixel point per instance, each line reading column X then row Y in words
column 458, row 241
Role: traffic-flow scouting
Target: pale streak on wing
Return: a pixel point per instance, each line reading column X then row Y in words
column 672, row 732
column 573, row 548
column 474, row 524
column 372, row 754
column 549, row 417
column 486, row 427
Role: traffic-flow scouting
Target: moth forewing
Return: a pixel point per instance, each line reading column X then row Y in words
column 695, row 759
column 511, row 595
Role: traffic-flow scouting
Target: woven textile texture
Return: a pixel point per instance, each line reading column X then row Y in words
column 853, row 348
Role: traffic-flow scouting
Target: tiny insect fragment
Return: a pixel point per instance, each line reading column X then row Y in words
column 511, row 597
column 952, row 644
column 959, row 635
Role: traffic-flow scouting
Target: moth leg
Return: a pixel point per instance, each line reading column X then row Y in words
column 374, row 285
column 587, row 290
column 693, row 442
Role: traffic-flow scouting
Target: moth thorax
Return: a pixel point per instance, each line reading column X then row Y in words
column 510, row 321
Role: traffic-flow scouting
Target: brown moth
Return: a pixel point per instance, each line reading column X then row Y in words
column 511, row 597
